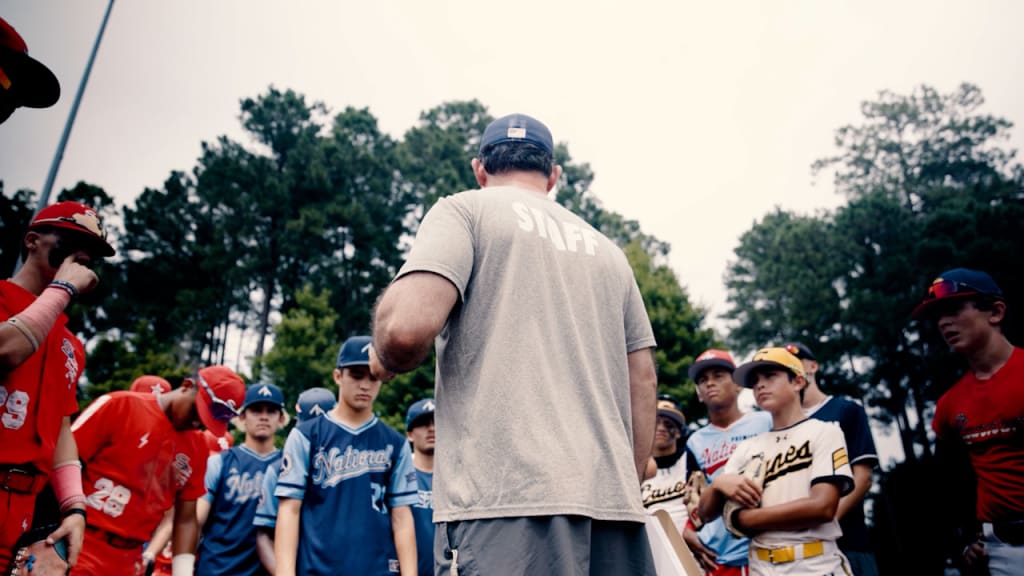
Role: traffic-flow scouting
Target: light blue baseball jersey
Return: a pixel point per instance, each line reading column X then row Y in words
column 234, row 479
column 266, row 509
column 348, row 480
column 710, row 447
column 423, row 514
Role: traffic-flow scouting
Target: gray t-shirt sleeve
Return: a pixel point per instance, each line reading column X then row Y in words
column 639, row 334
column 444, row 245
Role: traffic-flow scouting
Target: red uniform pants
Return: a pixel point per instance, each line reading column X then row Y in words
column 99, row 558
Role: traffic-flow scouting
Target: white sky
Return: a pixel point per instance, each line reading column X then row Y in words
column 696, row 117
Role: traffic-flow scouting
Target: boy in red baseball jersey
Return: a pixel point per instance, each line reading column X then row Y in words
column 41, row 359
column 143, row 454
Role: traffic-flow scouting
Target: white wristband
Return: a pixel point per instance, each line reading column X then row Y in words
column 183, row 564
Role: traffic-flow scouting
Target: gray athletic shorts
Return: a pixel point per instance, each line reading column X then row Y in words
column 549, row 545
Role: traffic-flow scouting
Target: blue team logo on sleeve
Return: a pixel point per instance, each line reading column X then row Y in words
column 335, row 465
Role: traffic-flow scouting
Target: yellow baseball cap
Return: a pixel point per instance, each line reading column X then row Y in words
column 775, row 357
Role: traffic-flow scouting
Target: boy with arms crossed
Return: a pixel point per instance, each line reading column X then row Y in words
column 716, row 549
column 783, row 486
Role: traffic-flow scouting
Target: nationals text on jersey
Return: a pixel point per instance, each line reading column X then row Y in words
column 335, row 466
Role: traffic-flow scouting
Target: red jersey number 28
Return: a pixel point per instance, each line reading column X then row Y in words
column 109, row 497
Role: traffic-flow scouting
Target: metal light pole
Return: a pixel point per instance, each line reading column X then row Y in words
column 44, row 196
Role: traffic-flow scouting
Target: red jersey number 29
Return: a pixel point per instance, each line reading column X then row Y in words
column 15, row 408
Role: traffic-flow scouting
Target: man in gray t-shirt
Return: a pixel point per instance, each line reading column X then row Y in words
column 545, row 384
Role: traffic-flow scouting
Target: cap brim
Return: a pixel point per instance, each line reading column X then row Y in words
column 418, row 421
column 101, row 246
column 703, row 365
column 742, row 373
column 267, row 402
column 209, row 422
column 923, row 310
column 672, row 416
column 36, row 85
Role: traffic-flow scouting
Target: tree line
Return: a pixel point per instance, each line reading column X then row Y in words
column 287, row 238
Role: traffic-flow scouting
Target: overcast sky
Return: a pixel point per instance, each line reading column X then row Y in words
column 696, row 117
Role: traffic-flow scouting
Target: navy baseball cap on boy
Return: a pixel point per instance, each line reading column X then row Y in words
column 518, row 128
column 355, row 352
column 799, row 350
column 314, row 402
column 670, row 410
column 418, row 412
column 957, row 283
column 265, row 394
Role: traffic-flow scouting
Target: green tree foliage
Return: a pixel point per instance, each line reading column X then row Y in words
column 678, row 327
column 15, row 214
column 310, row 219
column 930, row 188
column 305, row 345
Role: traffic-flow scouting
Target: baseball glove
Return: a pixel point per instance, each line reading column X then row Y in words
column 695, row 486
column 34, row 557
column 754, row 470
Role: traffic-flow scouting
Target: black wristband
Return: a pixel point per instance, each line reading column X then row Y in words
column 66, row 286
column 72, row 511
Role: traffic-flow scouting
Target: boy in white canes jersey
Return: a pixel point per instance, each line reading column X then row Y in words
column 788, row 506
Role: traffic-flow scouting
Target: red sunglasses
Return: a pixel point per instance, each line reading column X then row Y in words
column 947, row 288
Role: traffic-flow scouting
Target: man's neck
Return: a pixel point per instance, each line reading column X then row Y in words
column 787, row 415
column 350, row 416
column 533, row 181
column 261, row 446
column 725, row 416
column 813, row 395
column 31, row 278
column 423, row 462
column 988, row 359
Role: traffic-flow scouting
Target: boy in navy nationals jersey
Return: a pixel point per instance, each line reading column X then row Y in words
column 419, row 429
column 234, row 479
column 346, row 485
column 311, row 403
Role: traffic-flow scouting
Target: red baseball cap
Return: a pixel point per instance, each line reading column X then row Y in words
column 711, row 359
column 24, row 78
column 149, row 383
column 221, row 393
column 77, row 218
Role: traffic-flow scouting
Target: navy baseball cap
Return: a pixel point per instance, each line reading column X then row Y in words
column 711, row 359
column 799, row 350
column 355, row 352
column 670, row 410
column 417, row 411
column 265, row 394
column 957, row 283
column 518, row 128
column 314, row 402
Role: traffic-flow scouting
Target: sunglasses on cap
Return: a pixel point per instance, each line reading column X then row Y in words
column 87, row 222
column 219, row 409
column 947, row 288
